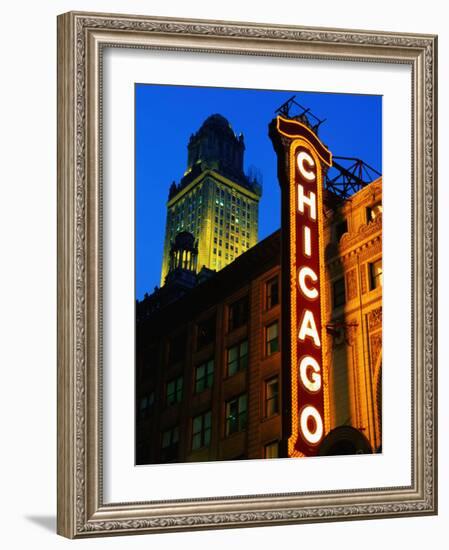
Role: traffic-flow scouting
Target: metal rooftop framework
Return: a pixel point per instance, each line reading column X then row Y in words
column 347, row 174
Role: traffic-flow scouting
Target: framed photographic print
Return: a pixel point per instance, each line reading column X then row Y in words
column 246, row 276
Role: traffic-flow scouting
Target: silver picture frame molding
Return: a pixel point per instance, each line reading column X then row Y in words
column 81, row 39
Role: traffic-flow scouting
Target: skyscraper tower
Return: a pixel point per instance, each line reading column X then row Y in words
column 215, row 200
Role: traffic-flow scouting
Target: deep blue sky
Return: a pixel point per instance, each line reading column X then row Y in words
column 166, row 116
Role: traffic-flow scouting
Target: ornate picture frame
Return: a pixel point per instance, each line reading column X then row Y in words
column 82, row 40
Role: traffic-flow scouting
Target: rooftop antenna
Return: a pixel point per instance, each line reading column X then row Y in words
column 287, row 110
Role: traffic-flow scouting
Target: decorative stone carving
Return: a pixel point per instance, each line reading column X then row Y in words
column 375, row 319
column 363, row 277
column 375, row 348
column 351, row 283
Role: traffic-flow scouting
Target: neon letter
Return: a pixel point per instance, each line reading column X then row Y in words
column 315, row 436
column 303, row 157
column 308, row 328
column 307, row 241
column 313, row 383
column 304, row 273
column 310, row 201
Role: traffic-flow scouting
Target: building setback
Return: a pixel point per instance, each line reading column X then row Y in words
column 209, row 361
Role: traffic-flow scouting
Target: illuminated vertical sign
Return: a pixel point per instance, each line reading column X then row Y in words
column 301, row 157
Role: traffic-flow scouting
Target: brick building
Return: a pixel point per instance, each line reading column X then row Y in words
column 208, row 348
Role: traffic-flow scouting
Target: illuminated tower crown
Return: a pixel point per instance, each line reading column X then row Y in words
column 215, row 200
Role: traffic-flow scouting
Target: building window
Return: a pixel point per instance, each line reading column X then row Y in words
column 272, row 293
column 340, row 229
column 272, row 396
column 170, row 444
column 206, row 332
column 375, row 274
column 204, row 376
column 145, row 405
column 271, row 450
column 339, row 292
column 201, row 430
column 372, row 212
column 174, row 391
column 271, row 339
column 238, row 357
column 238, row 312
column 236, row 414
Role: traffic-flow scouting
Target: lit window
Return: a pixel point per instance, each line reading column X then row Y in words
column 236, row 414
column 376, row 274
column 272, row 396
column 201, row 430
column 271, row 339
column 174, row 391
column 271, row 450
column 372, row 212
column 204, row 376
column 238, row 357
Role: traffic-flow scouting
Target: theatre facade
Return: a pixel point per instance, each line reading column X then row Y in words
column 209, row 376
column 215, row 378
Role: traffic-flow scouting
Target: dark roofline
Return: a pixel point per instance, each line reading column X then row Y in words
column 244, row 269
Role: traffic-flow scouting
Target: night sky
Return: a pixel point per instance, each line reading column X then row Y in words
column 166, row 116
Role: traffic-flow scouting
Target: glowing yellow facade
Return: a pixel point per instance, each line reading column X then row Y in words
column 215, row 201
column 353, row 237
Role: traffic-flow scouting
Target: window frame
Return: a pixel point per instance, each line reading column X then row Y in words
column 276, row 396
column 375, row 278
column 370, row 209
column 336, row 304
column 204, row 323
column 267, row 446
column 273, row 281
column 267, row 342
column 242, row 313
column 241, row 425
column 206, row 376
column 203, row 430
column 171, row 451
column 241, row 366
column 177, row 390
